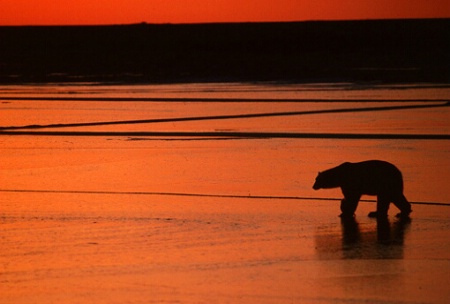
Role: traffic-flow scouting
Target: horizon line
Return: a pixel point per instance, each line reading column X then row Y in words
column 147, row 23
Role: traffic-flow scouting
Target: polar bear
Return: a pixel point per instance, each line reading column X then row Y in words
column 372, row 177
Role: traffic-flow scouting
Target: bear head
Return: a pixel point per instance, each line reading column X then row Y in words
column 329, row 179
column 319, row 183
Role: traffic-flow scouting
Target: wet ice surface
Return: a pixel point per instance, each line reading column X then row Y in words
column 141, row 220
column 117, row 248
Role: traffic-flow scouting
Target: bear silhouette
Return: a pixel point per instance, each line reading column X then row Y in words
column 372, row 177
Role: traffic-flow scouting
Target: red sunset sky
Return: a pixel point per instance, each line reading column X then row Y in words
column 69, row 12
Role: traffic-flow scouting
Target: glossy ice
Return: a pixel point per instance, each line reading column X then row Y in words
column 114, row 219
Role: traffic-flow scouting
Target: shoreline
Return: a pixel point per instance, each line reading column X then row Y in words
column 369, row 51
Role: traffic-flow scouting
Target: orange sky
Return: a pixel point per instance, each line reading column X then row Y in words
column 51, row 12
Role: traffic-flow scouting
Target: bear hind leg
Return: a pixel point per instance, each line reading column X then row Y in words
column 382, row 207
column 403, row 205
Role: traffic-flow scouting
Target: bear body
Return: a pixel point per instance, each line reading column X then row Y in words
column 372, row 177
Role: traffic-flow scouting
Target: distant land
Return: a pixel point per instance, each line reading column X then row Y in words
column 383, row 51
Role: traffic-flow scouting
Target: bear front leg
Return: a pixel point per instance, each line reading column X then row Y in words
column 382, row 207
column 349, row 205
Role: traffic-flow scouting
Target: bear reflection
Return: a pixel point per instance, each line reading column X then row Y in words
column 375, row 239
column 386, row 242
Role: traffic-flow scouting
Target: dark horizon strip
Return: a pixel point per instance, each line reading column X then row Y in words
column 199, row 195
column 222, row 117
column 211, row 99
column 248, row 135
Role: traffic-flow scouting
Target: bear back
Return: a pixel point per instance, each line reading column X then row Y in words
column 370, row 177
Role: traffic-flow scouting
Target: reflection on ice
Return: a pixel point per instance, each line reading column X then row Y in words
column 383, row 240
column 91, row 218
column 385, row 243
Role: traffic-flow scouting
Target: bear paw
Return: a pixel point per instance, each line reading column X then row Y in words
column 403, row 215
column 347, row 215
column 375, row 214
